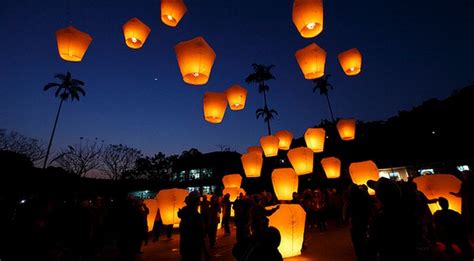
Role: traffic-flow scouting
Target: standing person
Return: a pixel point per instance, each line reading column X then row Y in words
column 241, row 217
column 191, row 231
column 467, row 194
column 226, row 205
column 144, row 211
column 204, row 207
column 214, row 211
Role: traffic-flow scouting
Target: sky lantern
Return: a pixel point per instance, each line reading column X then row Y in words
column 252, row 163
column 301, row 159
column 169, row 202
column 289, row 219
column 152, row 206
column 257, row 149
column 269, row 145
column 284, row 139
column 312, row 60
column 285, row 182
column 440, row 185
column 363, row 171
column 195, row 60
column 332, row 167
column 172, row 11
column 346, row 128
column 233, row 192
column 308, row 17
column 236, row 96
column 315, row 138
column 135, row 32
column 351, row 61
column 232, row 181
column 215, row 104
column 72, row 43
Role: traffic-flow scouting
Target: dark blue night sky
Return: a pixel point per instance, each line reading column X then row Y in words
column 412, row 51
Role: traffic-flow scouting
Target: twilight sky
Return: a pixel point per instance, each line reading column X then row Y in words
column 412, row 51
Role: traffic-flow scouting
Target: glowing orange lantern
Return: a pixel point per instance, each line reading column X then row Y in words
column 332, row 167
column 233, row 192
column 135, row 32
column 256, row 149
column 269, row 145
column 363, row 171
column 195, row 60
column 252, row 163
column 301, row 159
column 169, row 202
column 172, row 11
column 236, row 96
column 152, row 206
column 351, row 61
column 346, row 128
column 232, row 181
column 285, row 138
column 440, row 185
column 215, row 104
column 308, row 17
column 72, row 43
column 290, row 220
column 285, row 182
column 312, row 60
column 315, row 138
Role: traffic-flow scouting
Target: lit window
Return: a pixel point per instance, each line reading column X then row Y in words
column 463, row 168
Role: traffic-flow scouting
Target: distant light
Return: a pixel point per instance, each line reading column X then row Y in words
column 327, row 137
column 433, row 132
column 169, row 17
column 311, row 26
column 22, row 201
column 146, row 191
column 156, row 79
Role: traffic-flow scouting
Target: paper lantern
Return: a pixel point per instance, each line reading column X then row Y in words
column 252, row 163
column 312, row 60
column 233, row 192
column 215, row 104
column 284, row 139
column 351, row 61
column 195, row 60
column 172, row 11
column 169, row 202
column 285, row 182
column 440, row 185
column 301, row 159
column 269, row 145
column 256, row 149
column 346, row 128
column 152, row 206
column 308, row 17
column 290, row 220
column 363, row 171
column 315, row 138
column 72, row 43
column 135, row 32
column 332, row 167
column 236, row 96
column 232, row 181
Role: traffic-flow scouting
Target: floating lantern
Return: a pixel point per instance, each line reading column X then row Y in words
column 312, row 60
column 72, row 43
column 232, row 181
column 233, row 192
column 290, row 220
column 315, row 138
column 252, row 163
column 332, row 167
column 301, row 159
column 236, row 96
column 256, row 149
column 169, row 202
column 284, row 139
column 135, row 32
column 152, row 206
column 195, row 60
column 308, row 17
column 172, row 11
column 215, row 104
column 440, row 185
column 363, row 171
column 285, row 182
column 269, row 145
column 351, row 61
column 346, row 128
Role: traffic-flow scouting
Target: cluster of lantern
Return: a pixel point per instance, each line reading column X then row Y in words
column 169, row 202
column 285, row 183
column 363, row 171
column 440, row 185
column 215, row 103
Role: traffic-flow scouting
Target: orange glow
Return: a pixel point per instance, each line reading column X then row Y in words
column 312, row 60
column 233, row 192
column 440, row 185
column 346, row 128
column 172, row 11
column 169, row 202
column 215, row 104
column 152, row 206
column 308, row 17
column 302, row 160
column 232, row 181
column 285, row 138
column 315, row 138
column 252, row 163
column 195, row 60
column 135, row 33
column 256, row 149
column 363, row 171
column 351, row 61
column 285, row 182
column 269, row 145
column 332, row 167
column 236, row 96
column 72, row 43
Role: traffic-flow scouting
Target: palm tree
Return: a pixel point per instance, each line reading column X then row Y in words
column 261, row 74
column 323, row 86
column 68, row 88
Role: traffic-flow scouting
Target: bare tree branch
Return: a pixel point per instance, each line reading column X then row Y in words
column 14, row 141
column 119, row 159
column 81, row 158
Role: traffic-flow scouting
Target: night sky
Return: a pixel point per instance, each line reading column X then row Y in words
column 412, row 51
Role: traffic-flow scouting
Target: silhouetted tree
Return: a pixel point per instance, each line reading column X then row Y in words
column 14, row 141
column 159, row 168
column 119, row 159
column 323, row 86
column 79, row 159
